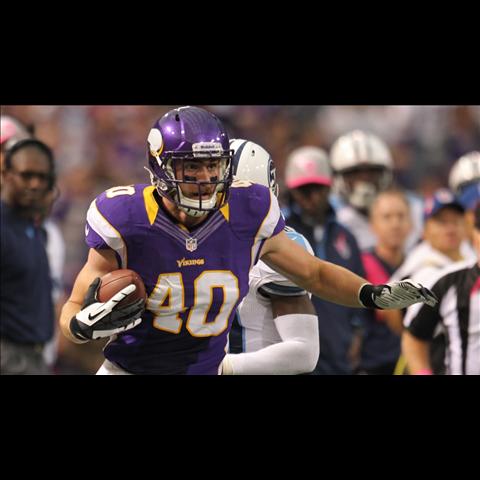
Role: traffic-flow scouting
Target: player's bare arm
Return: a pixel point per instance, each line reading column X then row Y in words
column 323, row 279
column 99, row 263
column 337, row 284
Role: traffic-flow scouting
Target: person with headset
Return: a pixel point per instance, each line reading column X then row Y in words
column 26, row 305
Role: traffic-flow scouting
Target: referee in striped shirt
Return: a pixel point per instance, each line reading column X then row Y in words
column 457, row 313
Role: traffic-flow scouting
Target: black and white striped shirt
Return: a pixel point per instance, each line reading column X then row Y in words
column 458, row 312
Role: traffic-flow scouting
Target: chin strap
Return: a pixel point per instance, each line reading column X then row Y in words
column 183, row 201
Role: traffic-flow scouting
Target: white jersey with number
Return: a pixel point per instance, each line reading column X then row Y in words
column 254, row 314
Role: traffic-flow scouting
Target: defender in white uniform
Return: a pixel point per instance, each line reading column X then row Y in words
column 363, row 167
column 276, row 321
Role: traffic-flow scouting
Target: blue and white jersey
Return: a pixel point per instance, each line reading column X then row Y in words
column 253, row 327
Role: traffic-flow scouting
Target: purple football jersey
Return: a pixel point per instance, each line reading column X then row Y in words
column 194, row 279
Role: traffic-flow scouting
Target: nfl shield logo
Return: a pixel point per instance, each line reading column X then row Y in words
column 191, row 244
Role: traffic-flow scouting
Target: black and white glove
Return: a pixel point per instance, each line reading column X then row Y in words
column 395, row 295
column 100, row 320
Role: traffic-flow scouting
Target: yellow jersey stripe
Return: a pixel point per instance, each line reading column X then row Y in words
column 151, row 205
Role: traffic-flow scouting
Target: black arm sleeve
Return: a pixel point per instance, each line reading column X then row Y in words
column 281, row 290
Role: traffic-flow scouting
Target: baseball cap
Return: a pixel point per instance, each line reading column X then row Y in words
column 307, row 165
column 441, row 199
column 470, row 196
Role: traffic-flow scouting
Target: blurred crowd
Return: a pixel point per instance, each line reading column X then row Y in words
column 108, row 142
column 97, row 147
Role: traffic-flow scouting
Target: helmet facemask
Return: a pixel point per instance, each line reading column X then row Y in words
column 178, row 142
column 170, row 187
column 362, row 194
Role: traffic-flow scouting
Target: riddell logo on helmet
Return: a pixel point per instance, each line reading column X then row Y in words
column 210, row 147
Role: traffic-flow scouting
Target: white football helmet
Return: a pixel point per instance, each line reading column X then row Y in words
column 353, row 152
column 465, row 171
column 253, row 163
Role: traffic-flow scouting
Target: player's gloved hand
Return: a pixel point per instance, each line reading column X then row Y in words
column 395, row 295
column 100, row 320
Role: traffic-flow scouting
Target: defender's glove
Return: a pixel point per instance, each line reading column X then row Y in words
column 100, row 320
column 395, row 295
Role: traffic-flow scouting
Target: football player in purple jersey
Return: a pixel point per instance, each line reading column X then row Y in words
column 193, row 236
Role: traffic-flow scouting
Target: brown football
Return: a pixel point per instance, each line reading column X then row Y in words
column 115, row 281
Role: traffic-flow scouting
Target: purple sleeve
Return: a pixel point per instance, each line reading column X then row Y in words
column 279, row 227
column 109, row 223
column 255, row 212
column 92, row 238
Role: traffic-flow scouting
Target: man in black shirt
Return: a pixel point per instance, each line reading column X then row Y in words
column 26, row 310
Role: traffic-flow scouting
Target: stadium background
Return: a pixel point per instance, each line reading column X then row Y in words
column 99, row 146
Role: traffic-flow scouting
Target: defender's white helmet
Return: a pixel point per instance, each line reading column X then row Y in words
column 253, row 163
column 355, row 151
column 464, row 171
